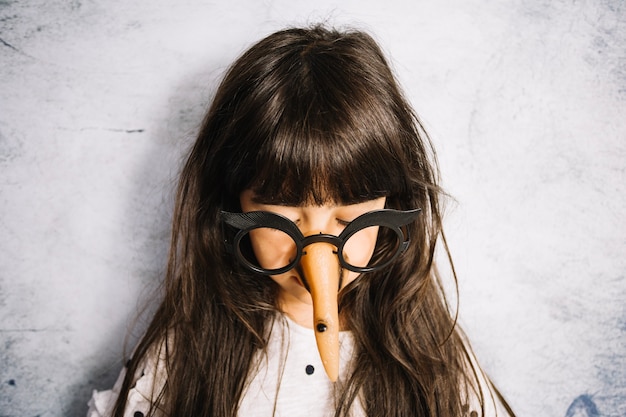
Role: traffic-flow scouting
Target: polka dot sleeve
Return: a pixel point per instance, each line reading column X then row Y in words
column 149, row 380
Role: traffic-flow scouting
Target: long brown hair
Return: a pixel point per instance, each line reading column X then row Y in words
column 307, row 116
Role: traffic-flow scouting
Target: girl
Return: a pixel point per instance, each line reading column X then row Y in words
column 301, row 278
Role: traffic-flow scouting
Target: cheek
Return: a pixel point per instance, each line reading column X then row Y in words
column 348, row 277
column 272, row 248
column 359, row 249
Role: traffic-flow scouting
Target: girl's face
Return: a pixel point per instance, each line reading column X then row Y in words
column 273, row 249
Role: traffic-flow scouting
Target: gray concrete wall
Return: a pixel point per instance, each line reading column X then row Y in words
column 525, row 100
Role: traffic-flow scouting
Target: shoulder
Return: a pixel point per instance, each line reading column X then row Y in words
column 147, row 383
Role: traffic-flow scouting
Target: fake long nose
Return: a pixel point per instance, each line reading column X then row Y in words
column 320, row 266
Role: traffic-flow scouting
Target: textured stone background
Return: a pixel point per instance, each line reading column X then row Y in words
column 525, row 99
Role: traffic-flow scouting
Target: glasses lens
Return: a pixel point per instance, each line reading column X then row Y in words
column 267, row 249
column 361, row 252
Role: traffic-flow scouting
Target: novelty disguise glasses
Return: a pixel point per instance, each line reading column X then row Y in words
column 284, row 235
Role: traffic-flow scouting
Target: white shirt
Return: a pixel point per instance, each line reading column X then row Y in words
column 291, row 376
column 288, row 381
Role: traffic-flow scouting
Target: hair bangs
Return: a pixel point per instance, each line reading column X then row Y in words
column 330, row 161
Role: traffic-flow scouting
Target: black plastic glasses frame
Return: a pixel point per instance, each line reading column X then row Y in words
column 245, row 222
